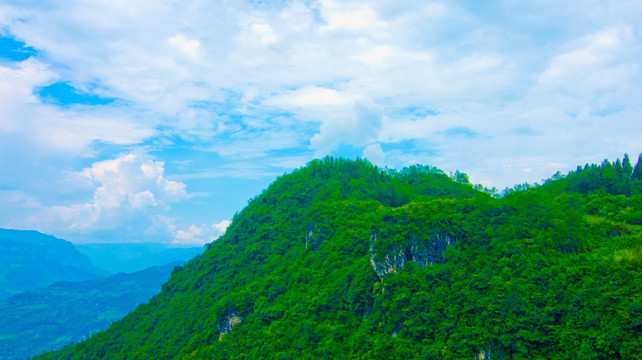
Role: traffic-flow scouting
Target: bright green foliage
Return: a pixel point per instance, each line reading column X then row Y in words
column 618, row 178
column 627, row 168
column 543, row 273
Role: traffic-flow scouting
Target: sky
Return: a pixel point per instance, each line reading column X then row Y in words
column 157, row 121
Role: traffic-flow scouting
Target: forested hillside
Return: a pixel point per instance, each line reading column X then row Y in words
column 341, row 259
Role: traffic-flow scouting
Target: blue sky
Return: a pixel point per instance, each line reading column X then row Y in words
column 147, row 121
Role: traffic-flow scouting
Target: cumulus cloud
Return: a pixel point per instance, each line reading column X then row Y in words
column 40, row 142
column 374, row 153
column 127, row 190
column 197, row 234
column 242, row 88
column 129, row 176
column 188, row 46
column 265, row 33
column 359, row 126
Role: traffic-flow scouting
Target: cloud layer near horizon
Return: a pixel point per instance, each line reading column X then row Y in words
column 206, row 90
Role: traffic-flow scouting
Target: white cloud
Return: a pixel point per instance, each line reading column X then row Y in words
column 358, row 126
column 47, row 128
column 376, row 56
column 142, row 199
column 594, row 64
column 127, row 189
column 198, row 234
column 265, row 33
column 17, row 84
column 189, row 236
column 133, row 175
column 242, row 87
column 346, row 16
column 222, row 226
column 309, row 97
column 188, row 46
column 374, row 153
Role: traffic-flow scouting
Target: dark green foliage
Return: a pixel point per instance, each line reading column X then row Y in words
column 616, row 179
column 542, row 273
column 68, row 312
column 627, row 168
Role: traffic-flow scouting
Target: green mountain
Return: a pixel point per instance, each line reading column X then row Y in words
column 31, row 260
column 341, row 259
column 131, row 257
column 69, row 312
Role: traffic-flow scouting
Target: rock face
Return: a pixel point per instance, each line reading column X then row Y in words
column 419, row 251
column 429, row 252
column 229, row 319
column 393, row 260
column 483, row 355
column 312, row 238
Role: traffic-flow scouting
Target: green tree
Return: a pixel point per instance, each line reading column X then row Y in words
column 627, row 167
column 637, row 173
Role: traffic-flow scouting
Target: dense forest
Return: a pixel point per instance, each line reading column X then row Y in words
column 341, row 259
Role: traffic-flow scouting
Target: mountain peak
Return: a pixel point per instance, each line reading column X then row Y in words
column 341, row 259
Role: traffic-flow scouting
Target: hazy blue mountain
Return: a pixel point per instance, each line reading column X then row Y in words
column 67, row 312
column 131, row 257
column 31, row 260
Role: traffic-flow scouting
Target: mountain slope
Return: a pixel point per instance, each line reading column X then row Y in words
column 67, row 312
column 31, row 259
column 342, row 260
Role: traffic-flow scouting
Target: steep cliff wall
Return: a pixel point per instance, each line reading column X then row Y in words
column 421, row 251
column 229, row 319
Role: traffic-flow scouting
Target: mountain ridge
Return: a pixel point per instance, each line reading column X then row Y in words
column 66, row 312
column 295, row 274
column 33, row 259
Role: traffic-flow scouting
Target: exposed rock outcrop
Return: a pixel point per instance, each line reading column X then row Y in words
column 229, row 319
column 312, row 238
column 483, row 355
column 393, row 260
column 419, row 251
column 429, row 252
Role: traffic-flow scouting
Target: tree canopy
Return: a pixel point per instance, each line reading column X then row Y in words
column 341, row 259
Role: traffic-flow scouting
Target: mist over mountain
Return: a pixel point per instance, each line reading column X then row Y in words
column 68, row 312
column 31, row 259
column 341, row 259
column 51, row 294
column 131, row 257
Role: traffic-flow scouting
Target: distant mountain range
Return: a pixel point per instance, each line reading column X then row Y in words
column 131, row 257
column 53, row 293
column 31, row 259
column 69, row 312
